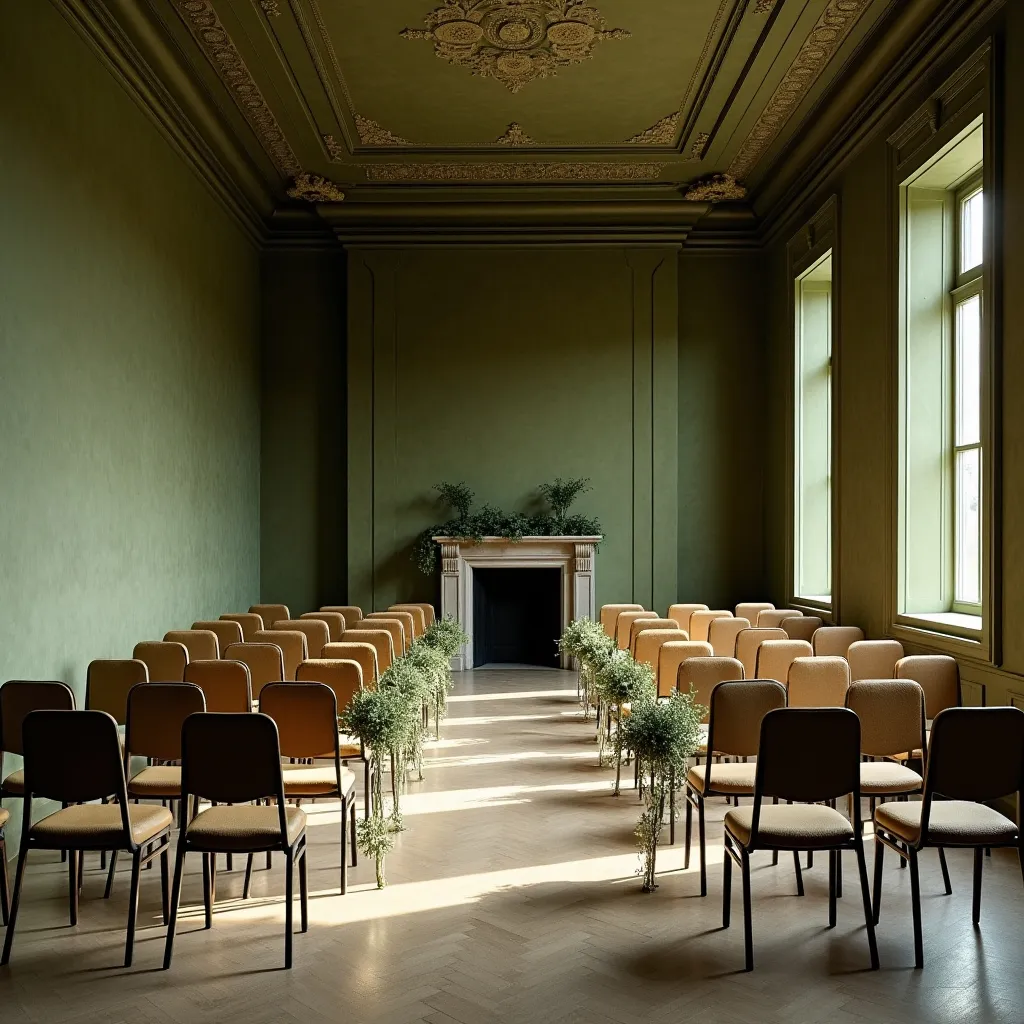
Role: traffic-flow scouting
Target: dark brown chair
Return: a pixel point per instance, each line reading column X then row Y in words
column 228, row 632
column 74, row 757
column 235, row 760
column 19, row 697
column 165, row 659
column 226, row 685
column 809, row 756
column 108, row 683
column 249, row 622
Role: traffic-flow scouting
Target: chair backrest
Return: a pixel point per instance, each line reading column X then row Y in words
column 201, row 644
column 350, row 612
column 318, row 634
column 640, row 625
column 156, row 713
column 107, row 684
column 610, row 614
column 874, row 659
column 226, row 685
column 271, row 613
column 165, row 659
column 751, row 609
column 649, row 642
column 834, row 641
column 748, row 642
column 419, row 617
column 250, row 622
column 293, row 646
column 891, row 713
column 775, row 656
column 818, row 682
column 704, row 674
column 334, row 621
column 700, row 621
column 381, row 639
column 428, row 611
column 671, row 655
column 682, row 612
column 19, row 697
column 229, row 631
column 393, row 626
column 405, row 618
column 264, row 661
column 801, row 627
column 307, row 718
column 736, row 709
column 363, row 654
column 722, row 635
column 624, row 624
column 939, row 677
column 770, row 618
column 344, row 677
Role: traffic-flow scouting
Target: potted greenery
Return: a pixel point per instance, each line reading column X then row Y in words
column 585, row 641
column 620, row 683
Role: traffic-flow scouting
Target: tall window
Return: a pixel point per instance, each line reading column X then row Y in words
column 812, row 568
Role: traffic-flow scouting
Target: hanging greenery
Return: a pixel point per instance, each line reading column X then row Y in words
column 588, row 643
column 622, row 684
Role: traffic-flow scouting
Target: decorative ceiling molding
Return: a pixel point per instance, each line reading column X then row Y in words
column 832, row 27
column 315, row 189
column 709, row 41
column 514, row 41
column 519, row 171
column 270, row 8
column 700, row 145
column 335, row 150
column 661, row 133
column 514, row 136
column 372, row 134
column 764, row 6
column 206, row 28
column 715, row 188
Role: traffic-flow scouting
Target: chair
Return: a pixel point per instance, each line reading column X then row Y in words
column 818, row 682
column 166, row 660
column 236, row 760
column 939, row 677
column 801, row 627
column 201, row 644
column 228, row 632
column 393, row 626
column 108, row 683
column 264, row 661
column 976, row 756
column 648, row 644
column 381, row 639
column 293, row 647
column 775, row 656
column 428, row 611
column 639, row 625
column 736, row 709
column 318, row 633
column 671, row 655
column 808, row 756
column 748, row 643
column 834, row 641
column 722, row 633
column 874, row 659
column 249, row 622
column 702, row 675
column 365, row 654
column 682, row 612
column 226, row 685
column 5, row 885
column 405, row 618
column 624, row 624
column 350, row 612
column 610, row 614
column 751, row 609
column 306, row 714
column 419, row 617
column 700, row 622
column 335, row 623
column 88, row 768
column 270, row 613
column 18, row 698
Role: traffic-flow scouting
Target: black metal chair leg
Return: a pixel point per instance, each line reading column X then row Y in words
column 672, row 810
column 5, row 891
column 915, row 899
column 207, row 902
column 304, row 890
column 748, row 930
column 703, row 849
column 832, row 884
column 165, row 889
column 289, row 896
column 945, row 872
column 248, row 878
column 979, row 860
column 839, row 876
column 799, row 873
column 133, row 908
column 344, row 850
column 19, row 876
column 862, row 870
column 179, row 864
column 110, row 875
column 73, row 858
column 689, row 830
column 726, row 889
column 879, row 855
column 355, row 845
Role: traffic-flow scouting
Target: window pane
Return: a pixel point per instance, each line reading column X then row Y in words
column 968, row 526
column 968, row 371
column 971, row 231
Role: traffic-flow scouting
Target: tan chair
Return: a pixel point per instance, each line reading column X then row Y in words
column 649, row 642
column 818, row 682
column 335, row 623
column 801, row 627
column 89, row 768
column 772, row 618
column 405, row 618
column 392, row 626
column 293, row 646
column 671, row 655
column 939, row 677
column 235, row 760
column 874, row 659
column 750, row 610
column 318, row 633
column 640, row 625
column 428, row 611
column 682, row 612
column 249, row 622
column 419, row 617
column 825, row 768
column 736, row 709
column 270, row 613
column 165, row 660
column 624, row 624
column 364, row 654
column 722, row 635
column 703, row 675
column 775, row 656
column 226, row 685
column 306, row 714
column 834, row 641
column 976, row 757
column 381, row 639
column 748, row 643
column 18, row 698
column 610, row 614
column 350, row 612
column 700, row 622
column 201, row 644
column 264, row 661
column 107, row 684
column 228, row 632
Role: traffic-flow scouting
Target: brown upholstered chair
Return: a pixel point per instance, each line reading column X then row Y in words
column 610, row 613
column 828, row 739
column 671, row 655
column 818, row 682
column 770, row 618
column 700, row 622
column 405, row 618
column 736, row 709
column 335, row 623
column 682, row 612
column 640, row 625
column 939, row 677
column 201, row 644
column 264, row 661
column 748, row 643
column 624, row 624
column 702, row 675
column 250, row 623
column 750, row 610
column 233, row 760
column 350, row 612
column 722, row 635
column 801, row 627
column 976, row 756
column 89, row 768
column 19, row 697
column 293, row 647
column 365, row 654
column 834, row 641
column 270, row 613
column 428, row 611
column 306, row 714
column 226, row 685
column 419, row 617
column 318, row 633
column 107, row 684
column 775, row 656
column 648, row 643
column 393, row 626
column 381, row 639
column 229, row 631
column 874, row 659
column 165, row 660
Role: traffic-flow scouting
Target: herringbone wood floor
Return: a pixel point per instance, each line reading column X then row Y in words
column 513, row 897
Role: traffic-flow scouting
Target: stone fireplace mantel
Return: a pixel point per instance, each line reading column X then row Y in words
column 460, row 556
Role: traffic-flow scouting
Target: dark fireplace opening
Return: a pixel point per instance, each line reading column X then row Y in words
column 516, row 616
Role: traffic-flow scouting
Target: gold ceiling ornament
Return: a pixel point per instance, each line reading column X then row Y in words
column 270, row 8
column 714, row 188
column 315, row 189
column 661, row 133
column 518, row 171
column 820, row 46
column 514, row 41
column 514, row 136
column 372, row 134
column 213, row 39
column 764, row 6
column 700, row 145
column 335, row 150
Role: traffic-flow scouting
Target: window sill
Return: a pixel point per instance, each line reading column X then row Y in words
column 967, row 627
column 962, row 636
column 812, row 605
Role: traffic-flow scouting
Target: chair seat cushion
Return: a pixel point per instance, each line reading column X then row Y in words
column 790, row 826
column 243, row 827
column 951, row 823
column 882, row 777
column 726, row 777
column 94, row 825
column 14, row 784
column 315, row 780
column 156, row 782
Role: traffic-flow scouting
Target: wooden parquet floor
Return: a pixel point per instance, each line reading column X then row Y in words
column 513, row 897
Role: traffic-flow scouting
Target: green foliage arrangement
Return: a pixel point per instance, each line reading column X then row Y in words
column 588, row 643
column 621, row 681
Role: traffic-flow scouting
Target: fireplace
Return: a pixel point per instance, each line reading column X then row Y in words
column 516, row 616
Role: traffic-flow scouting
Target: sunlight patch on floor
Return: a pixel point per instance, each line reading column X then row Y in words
column 468, row 698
